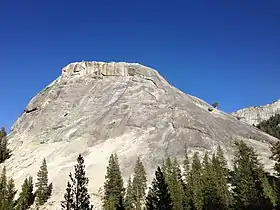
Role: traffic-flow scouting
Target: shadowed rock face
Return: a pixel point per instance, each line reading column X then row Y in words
column 97, row 108
column 254, row 115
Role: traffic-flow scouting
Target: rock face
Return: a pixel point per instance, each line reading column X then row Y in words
column 254, row 115
column 97, row 108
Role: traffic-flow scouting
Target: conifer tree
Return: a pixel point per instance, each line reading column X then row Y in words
column 187, row 203
column 7, row 192
column 251, row 188
column 159, row 197
column 26, row 196
column 139, row 185
column 208, row 183
column 196, row 183
column 276, row 157
column 113, row 186
column 42, row 184
column 173, row 178
column 4, row 151
column 67, row 204
column 10, row 196
column 3, row 189
column 76, row 196
column 129, row 197
column 186, row 165
column 221, row 176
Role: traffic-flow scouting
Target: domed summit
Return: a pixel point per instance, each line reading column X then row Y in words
column 98, row 108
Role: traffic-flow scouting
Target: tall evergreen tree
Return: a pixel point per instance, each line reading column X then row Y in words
column 173, row 178
column 3, row 189
column 250, row 185
column 113, row 186
column 4, row 151
column 42, row 184
column 186, row 183
column 196, row 183
column 221, row 177
column 159, row 197
column 276, row 157
column 26, row 196
column 10, row 196
column 76, row 196
column 129, row 197
column 208, row 184
column 139, row 184
column 186, row 165
column 7, row 192
column 67, row 204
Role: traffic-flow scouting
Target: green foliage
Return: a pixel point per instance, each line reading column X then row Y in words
column 159, row 197
column 129, row 197
column 113, row 186
column 76, row 196
column 173, row 178
column 276, row 157
column 67, row 204
column 220, row 175
column 7, row 192
column 195, row 183
column 271, row 126
column 215, row 104
column 11, row 192
column 26, row 196
column 42, row 192
column 139, row 185
column 4, row 151
column 250, row 186
column 186, row 183
column 3, row 189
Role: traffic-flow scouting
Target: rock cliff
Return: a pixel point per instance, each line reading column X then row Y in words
column 97, row 108
column 254, row 115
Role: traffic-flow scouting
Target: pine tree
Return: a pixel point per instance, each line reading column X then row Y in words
column 129, row 197
column 113, row 186
column 26, row 196
column 251, row 188
column 120, row 204
column 3, row 189
column 4, row 151
column 76, row 196
column 186, row 183
column 208, row 183
column 42, row 184
column 196, row 183
column 11, row 192
column 221, row 176
column 139, row 185
column 173, row 178
column 67, row 204
column 159, row 197
column 276, row 157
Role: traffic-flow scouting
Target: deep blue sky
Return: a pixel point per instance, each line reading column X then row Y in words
column 226, row 51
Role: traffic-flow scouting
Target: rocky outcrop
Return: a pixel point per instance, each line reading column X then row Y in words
column 254, row 115
column 97, row 108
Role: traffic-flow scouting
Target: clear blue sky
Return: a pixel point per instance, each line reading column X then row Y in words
column 226, row 51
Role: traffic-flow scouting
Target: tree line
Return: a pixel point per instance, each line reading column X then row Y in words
column 27, row 196
column 201, row 184
column 271, row 126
